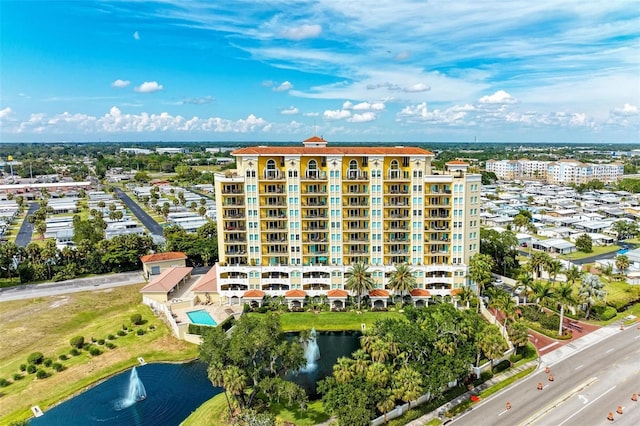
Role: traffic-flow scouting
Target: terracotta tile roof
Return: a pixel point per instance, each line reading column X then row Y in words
column 456, row 291
column 460, row 162
column 167, row 280
column 253, row 294
column 161, row 257
column 344, row 150
column 315, row 139
column 295, row 294
column 420, row 292
column 337, row 294
column 209, row 282
column 379, row 293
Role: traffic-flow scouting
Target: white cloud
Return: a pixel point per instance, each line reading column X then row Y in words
column 283, row 87
column 290, row 111
column 362, row 118
column 418, row 87
column 311, row 114
column 120, row 83
column 337, row 114
column 347, row 105
column 364, row 106
column 5, row 113
column 149, row 87
column 402, row 56
column 627, row 109
column 302, row 32
column 199, row 101
column 136, row 36
column 499, row 97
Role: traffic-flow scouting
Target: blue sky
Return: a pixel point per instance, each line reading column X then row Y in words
column 383, row 70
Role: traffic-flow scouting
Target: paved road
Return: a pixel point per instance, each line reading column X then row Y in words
column 26, row 229
column 100, row 282
column 142, row 216
column 588, row 384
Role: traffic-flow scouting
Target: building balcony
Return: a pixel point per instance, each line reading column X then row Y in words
column 317, row 281
column 314, row 176
column 234, row 216
column 356, row 175
column 272, row 175
column 314, row 191
column 233, row 190
column 229, row 241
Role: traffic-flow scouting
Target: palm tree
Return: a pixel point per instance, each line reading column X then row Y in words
column 402, row 280
column 525, row 281
column 466, row 295
column 378, row 374
column 507, row 305
column 537, row 261
column 235, row 382
column 492, row 344
column 572, row 274
column 591, row 290
column 622, row 263
column 553, row 268
column 386, row 405
column 480, row 266
column 215, row 373
column 542, row 291
column 518, row 334
column 564, row 296
column 407, row 385
column 343, row 370
column 359, row 280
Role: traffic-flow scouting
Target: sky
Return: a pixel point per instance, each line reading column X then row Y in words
column 347, row 70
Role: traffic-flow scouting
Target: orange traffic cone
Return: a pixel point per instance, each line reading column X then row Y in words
column 551, row 377
column 508, row 405
column 619, row 410
column 634, row 397
column 546, row 370
column 610, row 416
column 540, row 386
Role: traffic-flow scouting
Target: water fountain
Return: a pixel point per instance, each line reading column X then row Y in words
column 311, row 352
column 135, row 393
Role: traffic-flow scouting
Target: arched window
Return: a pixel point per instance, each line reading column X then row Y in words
column 353, row 169
column 270, row 170
column 394, row 169
column 312, row 169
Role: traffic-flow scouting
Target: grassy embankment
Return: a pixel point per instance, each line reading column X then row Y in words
column 47, row 324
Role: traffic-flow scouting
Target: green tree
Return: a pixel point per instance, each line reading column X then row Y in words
column 553, row 268
column 625, row 229
column 502, row 248
column 572, row 274
column 480, row 266
column 492, row 344
column 591, row 290
column 141, row 176
column 41, row 227
column 407, row 385
column 359, row 280
column 584, row 243
column 537, row 262
column 518, row 334
column 564, row 296
column 622, row 263
column 402, row 280
column 256, row 350
column 543, row 292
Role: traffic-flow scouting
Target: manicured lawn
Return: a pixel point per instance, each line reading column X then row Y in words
column 332, row 321
column 209, row 413
column 596, row 251
column 620, row 294
column 47, row 324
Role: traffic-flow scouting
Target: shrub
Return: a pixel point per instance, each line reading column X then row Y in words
column 152, row 327
column 23, row 367
column 122, row 333
column 63, row 357
column 136, row 319
column 516, row 357
column 57, row 366
column 503, row 365
column 74, row 352
column 4, row 383
column 93, row 339
column 41, row 374
column 77, row 342
column 111, row 337
column 17, row 376
column 95, row 351
column 110, row 345
column 101, row 341
column 604, row 313
column 140, row 332
column 124, row 327
column 35, row 358
column 486, row 375
column 31, row 368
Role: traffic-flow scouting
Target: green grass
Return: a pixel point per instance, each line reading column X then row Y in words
column 620, row 294
column 332, row 321
column 47, row 324
column 210, row 413
column 596, row 251
column 506, row 382
column 312, row 416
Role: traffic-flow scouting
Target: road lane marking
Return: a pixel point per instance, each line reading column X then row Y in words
column 636, row 337
column 502, row 413
column 610, row 350
column 583, row 399
column 576, row 413
column 542, row 412
column 579, row 367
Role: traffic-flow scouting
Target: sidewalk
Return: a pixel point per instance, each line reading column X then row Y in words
column 436, row 414
column 579, row 344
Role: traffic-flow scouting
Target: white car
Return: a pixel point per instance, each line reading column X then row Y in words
column 518, row 290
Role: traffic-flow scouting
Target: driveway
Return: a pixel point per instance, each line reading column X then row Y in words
column 26, row 229
column 142, row 216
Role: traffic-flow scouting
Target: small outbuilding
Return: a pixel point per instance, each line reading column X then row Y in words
column 156, row 263
column 162, row 288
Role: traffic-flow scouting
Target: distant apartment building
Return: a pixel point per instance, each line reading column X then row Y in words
column 296, row 218
column 136, row 151
column 172, row 151
column 556, row 172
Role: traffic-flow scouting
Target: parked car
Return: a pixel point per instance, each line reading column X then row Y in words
column 519, row 290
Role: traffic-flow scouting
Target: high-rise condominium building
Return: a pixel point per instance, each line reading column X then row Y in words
column 298, row 217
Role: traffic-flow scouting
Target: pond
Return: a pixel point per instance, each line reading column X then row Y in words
column 173, row 391
column 166, row 394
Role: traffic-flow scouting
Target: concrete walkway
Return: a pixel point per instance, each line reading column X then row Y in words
column 439, row 412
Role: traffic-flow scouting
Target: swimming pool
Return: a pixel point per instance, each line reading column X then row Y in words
column 201, row 317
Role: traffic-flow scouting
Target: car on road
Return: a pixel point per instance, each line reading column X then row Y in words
column 518, row 290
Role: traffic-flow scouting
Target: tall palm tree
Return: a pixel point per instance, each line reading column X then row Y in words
column 402, row 280
column 543, row 292
column 622, row 263
column 492, row 344
column 215, row 373
column 553, row 267
column 591, row 290
column 525, row 281
column 343, row 370
column 518, row 334
column 466, row 295
column 572, row 274
column 537, row 261
column 480, row 266
column 359, row 280
column 408, row 385
column 507, row 306
column 564, row 296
